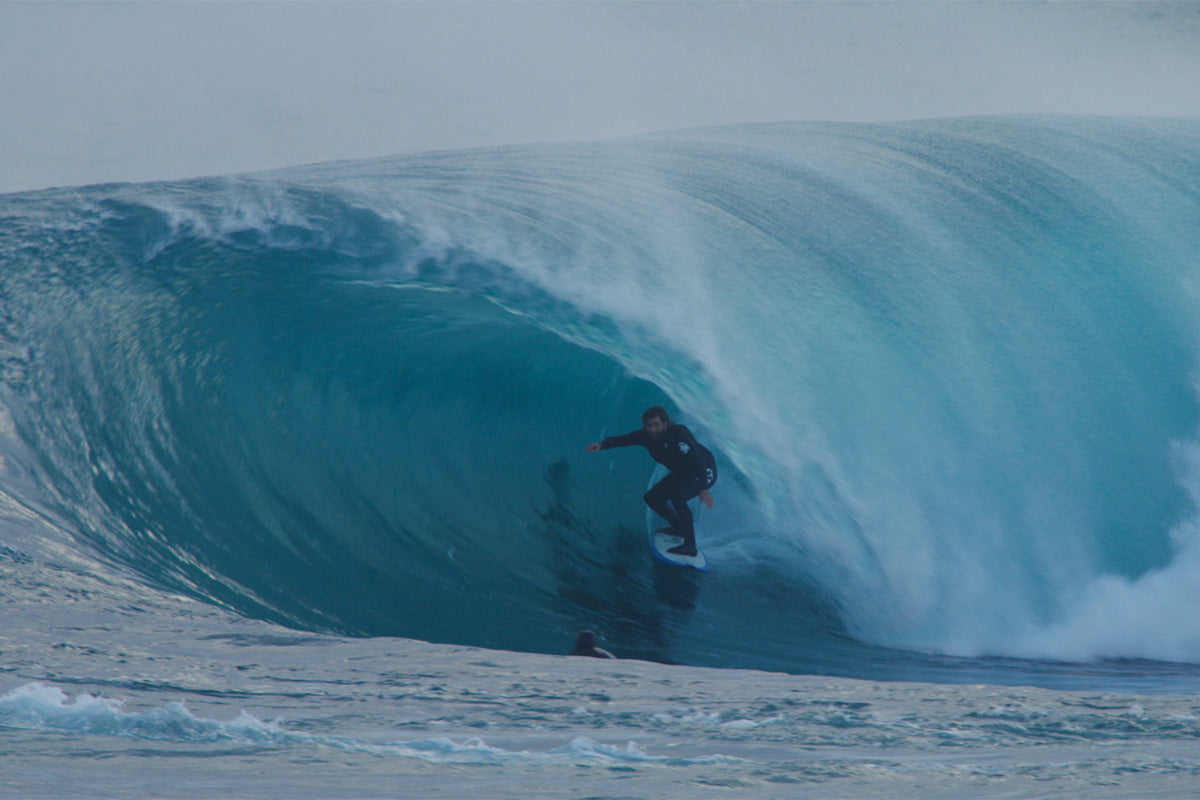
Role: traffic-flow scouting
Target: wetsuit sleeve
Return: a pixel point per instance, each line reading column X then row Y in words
column 624, row 440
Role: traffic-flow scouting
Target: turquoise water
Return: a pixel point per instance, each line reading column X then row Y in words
column 947, row 369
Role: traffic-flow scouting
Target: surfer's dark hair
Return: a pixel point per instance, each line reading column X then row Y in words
column 656, row 411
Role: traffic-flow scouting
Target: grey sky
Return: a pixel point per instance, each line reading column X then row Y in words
column 137, row 91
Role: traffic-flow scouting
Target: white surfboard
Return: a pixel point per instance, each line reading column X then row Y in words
column 660, row 543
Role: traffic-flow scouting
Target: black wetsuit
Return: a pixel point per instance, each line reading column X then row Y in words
column 585, row 645
column 692, row 469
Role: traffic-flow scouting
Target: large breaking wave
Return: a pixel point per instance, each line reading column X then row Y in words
column 947, row 368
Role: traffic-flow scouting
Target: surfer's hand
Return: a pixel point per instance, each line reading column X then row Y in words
column 594, row 447
column 706, row 498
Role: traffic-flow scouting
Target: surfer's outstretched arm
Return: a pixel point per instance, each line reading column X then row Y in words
column 624, row 440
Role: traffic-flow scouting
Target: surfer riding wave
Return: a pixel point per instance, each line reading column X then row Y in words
column 692, row 471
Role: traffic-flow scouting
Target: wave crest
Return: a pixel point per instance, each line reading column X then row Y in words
column 946, row 366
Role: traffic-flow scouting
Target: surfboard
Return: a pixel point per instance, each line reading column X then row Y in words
column 660, row 543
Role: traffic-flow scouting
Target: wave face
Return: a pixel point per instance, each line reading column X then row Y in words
column 947, row 368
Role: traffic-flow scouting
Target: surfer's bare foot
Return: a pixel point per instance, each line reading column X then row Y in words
column 684, row 550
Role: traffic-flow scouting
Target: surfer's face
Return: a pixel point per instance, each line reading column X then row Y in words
column 655, row 427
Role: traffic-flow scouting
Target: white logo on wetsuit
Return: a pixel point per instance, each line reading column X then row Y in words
column 683, row 448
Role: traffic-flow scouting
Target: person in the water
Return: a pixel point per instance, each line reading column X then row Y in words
column 692, row 472
column 585, row 645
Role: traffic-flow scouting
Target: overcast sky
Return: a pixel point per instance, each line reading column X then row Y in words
column 107, row 91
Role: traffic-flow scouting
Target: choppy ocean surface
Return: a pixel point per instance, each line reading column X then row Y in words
column 294, row 501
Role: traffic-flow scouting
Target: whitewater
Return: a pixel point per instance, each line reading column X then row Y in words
column 294, row 497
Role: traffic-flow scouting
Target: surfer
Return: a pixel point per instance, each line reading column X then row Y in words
column 692, row 472
column 585, row 645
